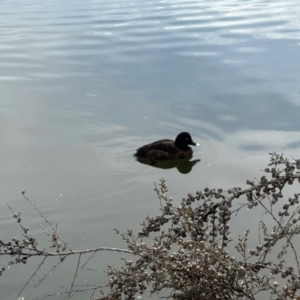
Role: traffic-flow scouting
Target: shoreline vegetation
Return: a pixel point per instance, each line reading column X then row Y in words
column 186, row 250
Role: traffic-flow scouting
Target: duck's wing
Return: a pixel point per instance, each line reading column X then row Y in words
column 161, row 145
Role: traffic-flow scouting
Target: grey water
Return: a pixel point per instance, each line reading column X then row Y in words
column 85, row 83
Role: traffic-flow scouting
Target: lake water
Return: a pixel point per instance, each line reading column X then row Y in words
column 85, row 83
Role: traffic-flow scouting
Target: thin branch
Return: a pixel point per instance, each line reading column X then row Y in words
column 75, row 275
column 32, row 275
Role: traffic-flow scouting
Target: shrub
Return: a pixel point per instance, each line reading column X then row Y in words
column 187, row 249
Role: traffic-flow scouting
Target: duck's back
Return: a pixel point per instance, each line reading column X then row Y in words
column 161, row 145
column 163, row 149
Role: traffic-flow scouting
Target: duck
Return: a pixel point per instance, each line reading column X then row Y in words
column 168, row 149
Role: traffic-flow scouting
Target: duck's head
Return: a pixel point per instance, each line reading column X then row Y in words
column 184, row 139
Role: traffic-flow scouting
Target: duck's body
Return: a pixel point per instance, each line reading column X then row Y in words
column 168, row 149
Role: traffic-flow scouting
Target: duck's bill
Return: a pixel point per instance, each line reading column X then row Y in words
column 196, row 144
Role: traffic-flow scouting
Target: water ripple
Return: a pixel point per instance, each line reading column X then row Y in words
column 130, row 32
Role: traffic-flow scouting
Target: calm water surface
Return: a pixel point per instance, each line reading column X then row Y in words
column 83, row 84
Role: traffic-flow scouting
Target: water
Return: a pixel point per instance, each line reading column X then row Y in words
column 83, row 84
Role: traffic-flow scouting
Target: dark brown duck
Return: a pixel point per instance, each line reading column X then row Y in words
column 168, row 149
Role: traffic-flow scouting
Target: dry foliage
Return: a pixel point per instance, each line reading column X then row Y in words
column 185, row 250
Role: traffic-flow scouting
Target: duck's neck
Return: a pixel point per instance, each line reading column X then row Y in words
column 181, row 145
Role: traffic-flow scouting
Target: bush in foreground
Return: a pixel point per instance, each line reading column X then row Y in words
column 187, row 250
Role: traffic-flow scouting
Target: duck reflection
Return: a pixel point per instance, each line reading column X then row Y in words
column 183, row 166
